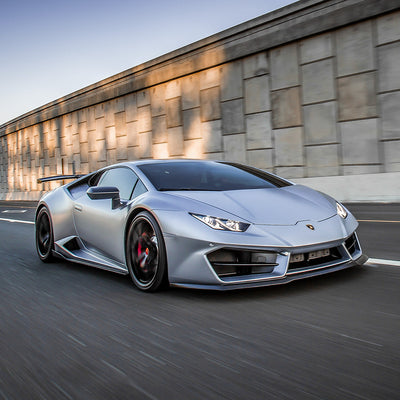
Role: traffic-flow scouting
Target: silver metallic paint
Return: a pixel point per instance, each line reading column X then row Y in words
column 278, row 217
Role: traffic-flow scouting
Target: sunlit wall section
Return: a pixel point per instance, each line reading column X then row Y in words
column 306, row 92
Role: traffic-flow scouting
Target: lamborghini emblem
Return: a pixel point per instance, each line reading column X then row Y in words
column 310, row 227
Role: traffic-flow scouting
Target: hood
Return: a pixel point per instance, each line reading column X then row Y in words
column 273, row 206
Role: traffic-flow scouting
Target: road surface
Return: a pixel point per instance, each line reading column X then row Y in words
column 73, row 332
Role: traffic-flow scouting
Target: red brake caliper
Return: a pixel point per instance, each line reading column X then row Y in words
column 142, row 255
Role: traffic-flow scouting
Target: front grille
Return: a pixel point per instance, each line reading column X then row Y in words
column 228, row 263
column 314, row 258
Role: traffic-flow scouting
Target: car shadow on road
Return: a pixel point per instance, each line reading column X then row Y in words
column 311, row 286
column 123, row 285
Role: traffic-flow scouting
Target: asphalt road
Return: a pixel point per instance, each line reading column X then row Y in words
column 72, row 332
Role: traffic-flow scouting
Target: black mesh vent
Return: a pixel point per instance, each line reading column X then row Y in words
column 227, row 262
column 314, row 258
column 351, row 244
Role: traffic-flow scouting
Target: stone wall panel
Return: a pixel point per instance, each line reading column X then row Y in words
column 175, row 142
column 232, row 117
column 259, row 131
column 322, row 160
column 190, row 91
column 120, row 123
column 160, row 129
column 257, row 94
column 212, row 136
column 193, row 148
column 389, row 70
column 145, row 142
column 174, row 113
column 131, row 133
column 392, row 155
column 173, row 89
column 143, row 98
column 231, row 81
column 288, row 147
column 210, row 78
column 316, row 48
column 235, row 148
column 261, row 158
column 320, row 123
column 357, row 96
column 157, row 95
column 286, row 110
column 284, row 66
column 388, row 27
column 255, row 65
column 355, row 49
column 83, row 132
column 144, row 119
column 390, row 107
column 360, row 142
column 130, row 107
column 210, row 104
column 191, row 124
column 318, row 81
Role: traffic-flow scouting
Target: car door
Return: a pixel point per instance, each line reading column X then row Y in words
column 100, row 225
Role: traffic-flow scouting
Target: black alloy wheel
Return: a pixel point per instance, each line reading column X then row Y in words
column 44, row 235
column 145, row 253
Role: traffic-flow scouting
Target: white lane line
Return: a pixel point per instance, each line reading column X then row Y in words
column 14, row 211
column 17, row 220
column 383, row 262
column 16, row 207
column 378, row 220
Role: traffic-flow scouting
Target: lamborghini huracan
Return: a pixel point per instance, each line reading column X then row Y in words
column 196, row 224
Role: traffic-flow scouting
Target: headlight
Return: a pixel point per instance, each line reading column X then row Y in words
column 221, row 224
column 341, row 211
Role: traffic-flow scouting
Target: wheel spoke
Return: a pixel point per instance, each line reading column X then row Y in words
column 144, row 252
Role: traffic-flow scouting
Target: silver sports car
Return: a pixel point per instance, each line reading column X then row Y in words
column 196, row 224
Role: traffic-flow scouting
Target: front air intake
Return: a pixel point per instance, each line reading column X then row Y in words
column 351, row 244
column 227, row 262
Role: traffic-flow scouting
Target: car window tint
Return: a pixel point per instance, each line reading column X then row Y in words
column 139, row 189
column 122, row 178
column 208, row 176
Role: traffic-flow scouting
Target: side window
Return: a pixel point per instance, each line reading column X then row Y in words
column 122, row 178
column 139, row 189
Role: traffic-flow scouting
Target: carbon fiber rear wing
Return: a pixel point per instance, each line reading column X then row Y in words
column 58, row 178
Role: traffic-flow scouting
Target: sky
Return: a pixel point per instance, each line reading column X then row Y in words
column 50, row 48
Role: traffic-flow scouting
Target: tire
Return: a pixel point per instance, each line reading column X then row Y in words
column 44, row 235
column 145, row 253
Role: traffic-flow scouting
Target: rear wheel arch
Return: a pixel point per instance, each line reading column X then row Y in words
column 44, row 234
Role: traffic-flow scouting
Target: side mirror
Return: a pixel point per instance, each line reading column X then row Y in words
column 105, row 192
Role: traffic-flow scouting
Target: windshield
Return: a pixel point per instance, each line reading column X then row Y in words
column 208, row 176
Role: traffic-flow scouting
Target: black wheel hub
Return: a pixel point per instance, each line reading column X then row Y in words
column 144, row 253
column 43, row 234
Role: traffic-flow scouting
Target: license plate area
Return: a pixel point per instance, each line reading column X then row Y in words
column 312, row 255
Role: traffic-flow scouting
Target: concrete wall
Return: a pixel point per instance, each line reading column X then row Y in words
column 310, row 90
